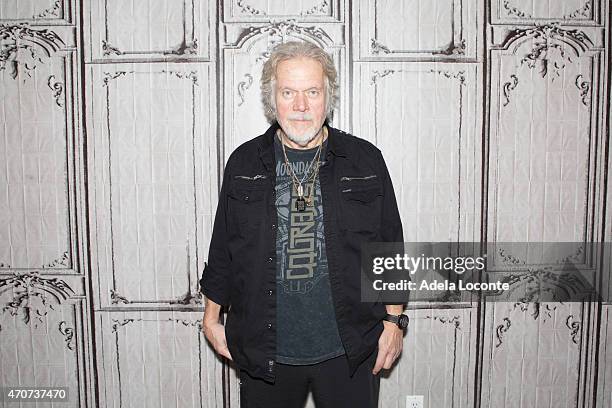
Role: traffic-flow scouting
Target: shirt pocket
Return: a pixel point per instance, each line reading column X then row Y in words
column 360, row 203
column 247, row 203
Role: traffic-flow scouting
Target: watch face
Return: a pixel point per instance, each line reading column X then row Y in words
column 403, row 321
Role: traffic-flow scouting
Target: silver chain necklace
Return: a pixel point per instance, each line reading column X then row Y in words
column 302, row 201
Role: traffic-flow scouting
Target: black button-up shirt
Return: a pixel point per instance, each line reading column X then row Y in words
column 358, row 206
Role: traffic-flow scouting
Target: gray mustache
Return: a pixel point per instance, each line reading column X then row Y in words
column 297, row 116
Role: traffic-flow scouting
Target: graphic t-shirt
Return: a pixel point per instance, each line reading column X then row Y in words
column 307, row 331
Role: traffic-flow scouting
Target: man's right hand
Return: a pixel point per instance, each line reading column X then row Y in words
column 215, row 333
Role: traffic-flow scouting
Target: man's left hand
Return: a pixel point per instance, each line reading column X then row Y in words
column 390, row 345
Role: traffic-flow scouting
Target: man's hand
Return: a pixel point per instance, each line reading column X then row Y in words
column 215, row 333
column 390, row 345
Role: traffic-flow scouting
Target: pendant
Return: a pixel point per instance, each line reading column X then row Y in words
column 309, row 201
column 300, row 204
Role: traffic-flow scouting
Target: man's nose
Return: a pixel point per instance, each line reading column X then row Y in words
column 300, row 103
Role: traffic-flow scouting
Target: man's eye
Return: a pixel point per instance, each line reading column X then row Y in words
column 287, row 94
column 313, row 92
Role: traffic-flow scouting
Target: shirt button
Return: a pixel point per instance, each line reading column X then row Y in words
column 270, row 260
column 273, row 226
column 269, row 325
column 246, row 198
column 270, row 292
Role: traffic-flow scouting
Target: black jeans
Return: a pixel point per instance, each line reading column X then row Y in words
column 332, row 387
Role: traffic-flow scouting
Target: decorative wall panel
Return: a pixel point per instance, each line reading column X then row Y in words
column 416, row 29
column 39, row 11
column 37, row 189
column 264, row 10
column 527, row 370
column 427, row 133
column 575, row 12
column 544, row 185
column 43, row 334
column 436, row 361
column 156, row 359
column 153, row 182
column 159, row 30
column 544, row 136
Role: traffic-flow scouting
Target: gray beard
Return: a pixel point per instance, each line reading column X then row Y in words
column 303, row 139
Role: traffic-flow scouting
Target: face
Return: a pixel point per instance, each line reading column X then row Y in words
column 300, row 98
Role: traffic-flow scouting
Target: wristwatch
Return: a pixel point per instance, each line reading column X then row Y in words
column 401, row 320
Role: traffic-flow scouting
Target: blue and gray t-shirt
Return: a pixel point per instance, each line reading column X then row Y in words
column 307, row 332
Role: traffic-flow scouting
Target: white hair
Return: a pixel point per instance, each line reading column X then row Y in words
column 297, row 49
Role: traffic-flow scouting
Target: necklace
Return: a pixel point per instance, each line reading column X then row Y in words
column 302, row 201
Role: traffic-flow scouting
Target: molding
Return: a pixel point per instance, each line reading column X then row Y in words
column 193, row 75
column 460, row 75
column 574, row 326
column 585, row 90
column 187, row 44
column 243, row 86
column 458, row 37
column 539, row 310
column 68, row 333
column 22, row 47
column 514, row 11
column 184, row 48
column 377, row 47
column 118, row 298
column 248, row 9
column 453, row 48
column 187, row 323
column 501, row 329
column 454, row 321
column 58, row 89
column 64, row 260
column 380, row 74
column 582, row 12
column 109, row 76
column 31, row 288
column 321, row 8
column 283, row 29
column 509, row 86
column 188, row 298
column 52, row 11
column 318, row 10
column 550, row 46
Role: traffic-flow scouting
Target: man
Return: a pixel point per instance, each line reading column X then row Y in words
column 295, row 206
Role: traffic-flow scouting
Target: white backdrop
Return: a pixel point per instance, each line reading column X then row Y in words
column 117, row 118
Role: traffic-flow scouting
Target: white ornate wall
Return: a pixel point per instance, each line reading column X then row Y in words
column 117, row 118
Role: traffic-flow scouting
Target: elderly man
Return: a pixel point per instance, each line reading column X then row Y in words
column 295, row 206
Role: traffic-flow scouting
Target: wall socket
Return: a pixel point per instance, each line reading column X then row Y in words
column 414, row 401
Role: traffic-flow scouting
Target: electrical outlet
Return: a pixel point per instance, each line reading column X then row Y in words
column 414, row 401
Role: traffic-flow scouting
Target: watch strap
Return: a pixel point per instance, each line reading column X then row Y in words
column 391, row 318
column 400, row 320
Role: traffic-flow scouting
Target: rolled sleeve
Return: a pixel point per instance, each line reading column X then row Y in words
column 391, row 225
column 215, row 281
